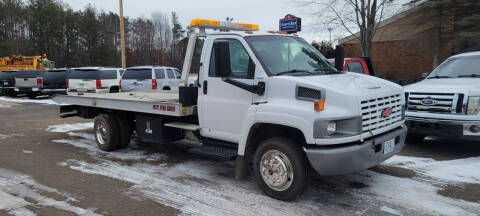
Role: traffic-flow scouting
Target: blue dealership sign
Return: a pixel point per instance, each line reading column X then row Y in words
column 291, row 24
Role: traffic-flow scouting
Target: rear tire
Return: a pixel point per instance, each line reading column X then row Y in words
column 107, row 132
column 125, row 127
column 281, row 168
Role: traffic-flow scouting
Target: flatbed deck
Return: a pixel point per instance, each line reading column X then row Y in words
column 151, row 102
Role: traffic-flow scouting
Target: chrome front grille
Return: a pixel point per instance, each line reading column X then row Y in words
column 373, row 109
column 445, row 103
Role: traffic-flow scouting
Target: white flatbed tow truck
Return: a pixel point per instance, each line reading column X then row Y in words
column 272, row 102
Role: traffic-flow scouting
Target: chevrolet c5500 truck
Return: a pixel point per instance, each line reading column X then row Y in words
column 272, row 102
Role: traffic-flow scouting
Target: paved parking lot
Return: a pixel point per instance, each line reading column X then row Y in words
column 51, row 166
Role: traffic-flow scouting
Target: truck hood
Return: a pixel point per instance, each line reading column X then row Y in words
column 352, row 84
column 450, row 85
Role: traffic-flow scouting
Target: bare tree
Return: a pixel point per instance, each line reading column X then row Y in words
column 363, row 16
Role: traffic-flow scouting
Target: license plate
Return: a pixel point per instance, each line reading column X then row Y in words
column 81, row 85
column 5, row 83
column 389, row 146
column 34, row 89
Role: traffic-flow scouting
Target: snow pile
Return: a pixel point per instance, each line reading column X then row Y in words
column 460, row 170
column 17, row 191
column 69, row 127
column 38, row 101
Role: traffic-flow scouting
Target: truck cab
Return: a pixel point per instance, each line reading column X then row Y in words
column 270, row 101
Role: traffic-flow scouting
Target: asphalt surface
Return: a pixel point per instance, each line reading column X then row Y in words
column 86, row 180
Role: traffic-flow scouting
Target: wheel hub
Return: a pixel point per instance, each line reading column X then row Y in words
column 101, row 133
column 276, row 170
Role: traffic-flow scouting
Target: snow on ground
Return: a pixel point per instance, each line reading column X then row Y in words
column 23, row 100
column 5, row 106
column 70, row 127
column 19, row 194
column 459, row 171
column 207, row 187
column 6, row 136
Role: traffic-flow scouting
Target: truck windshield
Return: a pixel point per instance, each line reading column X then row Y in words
column 289, row 55
column 139, row 74
column 29, row 74
column 92, row 74
column 6, row 75
column 458, row 68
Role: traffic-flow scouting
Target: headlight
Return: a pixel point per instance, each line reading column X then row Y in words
column 332, row 128
column 473, row 106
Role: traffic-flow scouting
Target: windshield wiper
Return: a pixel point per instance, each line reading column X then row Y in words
column 293, row 72
column 471, row 75
column 328, row 71
column 439, row 77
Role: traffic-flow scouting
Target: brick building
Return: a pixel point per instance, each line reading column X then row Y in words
column 415, row 41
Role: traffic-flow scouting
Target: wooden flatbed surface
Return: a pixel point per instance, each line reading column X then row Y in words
column 152, row 102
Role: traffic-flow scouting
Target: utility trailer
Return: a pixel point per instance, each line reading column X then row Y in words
column 280, row 118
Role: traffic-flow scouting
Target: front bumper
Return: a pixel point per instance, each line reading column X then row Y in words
column 355, row 157
column 444, row 128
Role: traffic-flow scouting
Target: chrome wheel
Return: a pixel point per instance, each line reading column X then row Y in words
column 101, row 133
column 276, row 170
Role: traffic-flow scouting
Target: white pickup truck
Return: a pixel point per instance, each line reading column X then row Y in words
column 270, row 101
column 447, row 102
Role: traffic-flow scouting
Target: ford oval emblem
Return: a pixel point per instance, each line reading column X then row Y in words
column 428, row 102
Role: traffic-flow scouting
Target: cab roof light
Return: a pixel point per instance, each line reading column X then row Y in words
column 222, row 25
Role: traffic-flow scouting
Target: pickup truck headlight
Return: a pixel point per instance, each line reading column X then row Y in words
column 473, row 107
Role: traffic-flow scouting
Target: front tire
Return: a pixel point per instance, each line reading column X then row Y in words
column 281, row 168
column 107, row 132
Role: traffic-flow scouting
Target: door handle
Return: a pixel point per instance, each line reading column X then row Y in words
column 205, row 87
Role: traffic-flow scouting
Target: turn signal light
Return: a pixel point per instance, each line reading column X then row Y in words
column 319, row 105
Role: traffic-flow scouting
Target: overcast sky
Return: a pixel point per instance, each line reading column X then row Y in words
column 265, row 13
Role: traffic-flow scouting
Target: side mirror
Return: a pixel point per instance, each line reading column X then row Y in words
column 222, row 58
column 339, row 57
column 425, row 75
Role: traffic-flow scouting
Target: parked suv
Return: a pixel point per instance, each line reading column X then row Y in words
column 7, row 83
column 55, row 82
column 29, row 82
column 151, row 78
column 94, row 80
column 447, row 102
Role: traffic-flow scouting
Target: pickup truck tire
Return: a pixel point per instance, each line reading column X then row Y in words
column 411, row 137
column 107, row 132
column 32, row 96
column 125, row 131
column 282, row 160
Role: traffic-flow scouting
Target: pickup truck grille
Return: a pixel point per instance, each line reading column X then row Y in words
column 444, row 103
column 376, row 112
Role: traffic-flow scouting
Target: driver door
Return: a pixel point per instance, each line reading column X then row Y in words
column 223, row 106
